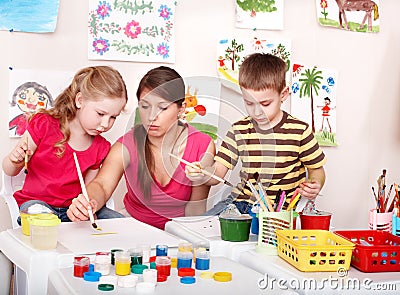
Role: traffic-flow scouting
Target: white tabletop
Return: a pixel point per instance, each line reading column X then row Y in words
column 207, row 228
column 76, row 238
column 279, row 274
column 244, row 281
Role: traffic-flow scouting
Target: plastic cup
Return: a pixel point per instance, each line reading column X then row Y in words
column 235, row 230
column 163, row 265
column 316, row 221
column 44, row 231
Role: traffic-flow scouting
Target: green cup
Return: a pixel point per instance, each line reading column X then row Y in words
column 235, row 230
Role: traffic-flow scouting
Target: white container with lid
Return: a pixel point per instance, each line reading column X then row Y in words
column 44, row 231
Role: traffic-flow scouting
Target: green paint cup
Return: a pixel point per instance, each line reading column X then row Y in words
column 235, row 229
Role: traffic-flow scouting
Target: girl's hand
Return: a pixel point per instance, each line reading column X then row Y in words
column 78, row 210
column 17, row 155
column 309, row 189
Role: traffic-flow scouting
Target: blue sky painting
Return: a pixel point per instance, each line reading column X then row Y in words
column 39, row 16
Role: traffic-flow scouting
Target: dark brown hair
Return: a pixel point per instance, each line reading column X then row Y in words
column 168, row 84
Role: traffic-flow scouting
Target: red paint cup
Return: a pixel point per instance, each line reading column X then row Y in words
column 81, row 265
column 321, row 220
column 163, row 265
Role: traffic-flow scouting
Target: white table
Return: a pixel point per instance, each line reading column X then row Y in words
column 244, row 281
column 278, row 274
column 207, row 228
column 77, row 239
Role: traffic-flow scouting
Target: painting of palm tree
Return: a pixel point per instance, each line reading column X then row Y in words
column 310, row 83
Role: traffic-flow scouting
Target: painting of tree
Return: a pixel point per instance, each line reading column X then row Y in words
column 255, row 6
column 310, row 81
column 231, row 53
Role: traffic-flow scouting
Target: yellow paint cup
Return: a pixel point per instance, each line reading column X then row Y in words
column 25, row 224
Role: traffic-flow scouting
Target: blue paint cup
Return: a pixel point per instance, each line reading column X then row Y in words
column 254, row 223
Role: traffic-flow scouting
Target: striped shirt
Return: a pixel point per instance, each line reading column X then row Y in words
column 279, row 155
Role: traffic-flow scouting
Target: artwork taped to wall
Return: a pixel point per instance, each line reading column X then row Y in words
column 353, row 15
column 313, row 100
column 31, row 90
column 232, row 51
column 203, row 103
column 39, row 16
column 259, row 14
column 126, row 30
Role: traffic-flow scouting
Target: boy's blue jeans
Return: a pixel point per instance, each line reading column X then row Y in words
column 103, row 213
column 243, row 206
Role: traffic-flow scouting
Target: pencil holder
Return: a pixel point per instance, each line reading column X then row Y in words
column 395, row 225
column 380, row 221
column 269, row 222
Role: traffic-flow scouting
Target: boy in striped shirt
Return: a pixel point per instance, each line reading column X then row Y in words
column 270, row 144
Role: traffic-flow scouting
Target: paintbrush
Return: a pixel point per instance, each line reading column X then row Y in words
column 26, row 157
column 202, row 170
column 84, row 192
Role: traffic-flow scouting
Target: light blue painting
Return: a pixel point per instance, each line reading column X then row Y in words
column 38, row 16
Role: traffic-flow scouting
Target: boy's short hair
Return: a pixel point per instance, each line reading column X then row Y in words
column 261, row 71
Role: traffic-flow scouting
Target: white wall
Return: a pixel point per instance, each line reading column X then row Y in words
column 368, row 93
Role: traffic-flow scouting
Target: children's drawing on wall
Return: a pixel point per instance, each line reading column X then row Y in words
column 259, row 14
column 313, row 100
column 38, row 16
column 30, row 91
column 202, row 100
column 232, row 51
column 353, row 15
column 132, row 30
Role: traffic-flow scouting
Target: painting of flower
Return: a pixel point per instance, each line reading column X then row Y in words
column 103, row 10
column 163, row 50
column 100, row 45
column 132, row 29
column 165, row 12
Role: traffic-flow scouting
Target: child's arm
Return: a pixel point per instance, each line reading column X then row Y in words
column 14, row 162
column 310, row 189
column 101, row 187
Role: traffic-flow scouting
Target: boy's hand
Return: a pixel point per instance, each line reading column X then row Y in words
column 78, row 210
column 309, row 189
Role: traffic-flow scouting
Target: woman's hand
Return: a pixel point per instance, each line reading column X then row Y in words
column 78, row 210
column 193, row 173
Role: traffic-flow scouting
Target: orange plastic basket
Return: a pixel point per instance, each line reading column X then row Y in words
column 314, row 250
column 375, row 251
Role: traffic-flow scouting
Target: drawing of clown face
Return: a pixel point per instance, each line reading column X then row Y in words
column 31, row 96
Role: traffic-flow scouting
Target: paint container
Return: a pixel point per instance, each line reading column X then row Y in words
column 202, row 259
column 185, row 246
column 161, row 250
column 184, row 259
column 136, row 256
column 113, row 251
column 122, row 263
column 44, row 231
column 235, row 229
column 200, row 246
column 320, row 220
column 33, row 210
column 81, row 265
column 102, row 263
column 146, row 250
column 150, row 276
column 163, row 265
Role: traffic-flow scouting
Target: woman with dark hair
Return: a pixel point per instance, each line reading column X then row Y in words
column 157, row 187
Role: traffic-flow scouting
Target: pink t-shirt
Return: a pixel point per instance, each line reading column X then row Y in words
column 166, row 201
column 51, row 179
